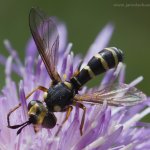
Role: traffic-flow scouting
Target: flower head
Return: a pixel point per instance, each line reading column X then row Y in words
column 105, row 127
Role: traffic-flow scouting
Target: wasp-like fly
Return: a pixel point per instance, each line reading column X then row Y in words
column 61, row 96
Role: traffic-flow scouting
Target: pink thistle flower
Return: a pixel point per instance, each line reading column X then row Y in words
column 105, row 127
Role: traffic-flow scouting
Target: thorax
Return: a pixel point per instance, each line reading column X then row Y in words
column 59, row 96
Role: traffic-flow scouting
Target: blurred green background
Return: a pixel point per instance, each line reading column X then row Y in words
column 84, row 20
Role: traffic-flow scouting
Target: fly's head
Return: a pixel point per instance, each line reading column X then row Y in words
column 38, row 116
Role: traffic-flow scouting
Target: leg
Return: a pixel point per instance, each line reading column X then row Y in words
column 8, row 115
column 36, row 128
column 78, row 69
column 53, row 83
column 83, row 116
column 38, row 88
column 75, row 73
column 69, row 110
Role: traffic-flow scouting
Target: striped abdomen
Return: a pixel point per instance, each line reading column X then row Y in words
column 104, row 60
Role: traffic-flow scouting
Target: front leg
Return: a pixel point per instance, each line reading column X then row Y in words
column 38, row 88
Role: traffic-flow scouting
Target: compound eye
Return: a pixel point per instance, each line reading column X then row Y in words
column 49, row 120
column 33, row 102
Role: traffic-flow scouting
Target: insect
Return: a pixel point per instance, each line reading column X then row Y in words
column 61, row 96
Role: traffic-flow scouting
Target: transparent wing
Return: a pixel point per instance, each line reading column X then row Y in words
column 115, row 95
column 46, row 37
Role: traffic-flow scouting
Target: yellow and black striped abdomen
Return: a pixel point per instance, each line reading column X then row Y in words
column 106, row 59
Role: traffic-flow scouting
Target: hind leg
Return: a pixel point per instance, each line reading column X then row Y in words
column 81, row 106
column 78, row 69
